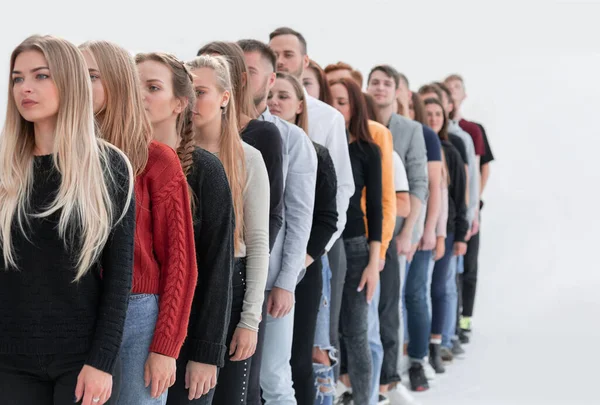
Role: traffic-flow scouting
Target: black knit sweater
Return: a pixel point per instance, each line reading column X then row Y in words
column 42, row 310
column 457, row 209
column 214, row 226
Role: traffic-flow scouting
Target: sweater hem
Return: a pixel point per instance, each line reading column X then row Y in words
column 165, row 346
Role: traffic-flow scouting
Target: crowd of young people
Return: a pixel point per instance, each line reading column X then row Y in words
column 241, row 228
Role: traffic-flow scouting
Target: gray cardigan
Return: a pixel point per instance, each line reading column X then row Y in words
column 299, row 178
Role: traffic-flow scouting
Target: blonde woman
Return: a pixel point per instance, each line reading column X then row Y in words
column 169, row 97
column 216, row 130
column 165, row 272
column 66, row 234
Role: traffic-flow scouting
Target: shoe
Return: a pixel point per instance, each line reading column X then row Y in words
column 446, row 353
column 465, row 323
column 401, row 396
column 463, row 337
column 429, row 371
column 435, row 358
column 418, row 380
column 345, row 399
column 383, row 400
column 457, row 349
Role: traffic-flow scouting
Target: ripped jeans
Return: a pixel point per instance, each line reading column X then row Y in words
column 324, row 378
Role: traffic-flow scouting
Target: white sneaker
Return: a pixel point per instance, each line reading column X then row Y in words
column 429, row 371
column 401, row 396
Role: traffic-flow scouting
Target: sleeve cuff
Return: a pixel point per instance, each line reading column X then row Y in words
column 102, row 360
column 205, row 352
column 286, row 281
column 167, row 347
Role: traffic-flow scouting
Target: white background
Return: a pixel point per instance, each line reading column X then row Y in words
column 531, row 70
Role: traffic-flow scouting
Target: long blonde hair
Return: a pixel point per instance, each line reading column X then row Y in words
column 123, row 121
column 183, row 87
column 83, row 197
column 231, row 152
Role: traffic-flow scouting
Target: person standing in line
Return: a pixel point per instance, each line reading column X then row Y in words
column 288, row 257
column 165, row 272
column 363, row 259
column 216, row 130
column 457, row 229
column 469, row 278
column 409, row 142
column 67, row 235
column 170, row 98
column 262, row 135
column 287, row 100
column 326, row 127
column 314, row 81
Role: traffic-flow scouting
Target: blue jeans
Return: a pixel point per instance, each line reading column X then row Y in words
column 440, row 299
column 417, row 311
column 137, row 337
column 449, row 327
column 375, row 345
column 275, row 370
column 324, row 378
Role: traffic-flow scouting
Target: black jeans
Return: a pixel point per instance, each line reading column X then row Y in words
column 254, row 391
column 232, row 381
column 42, row 379
column 469, row 277
column 354, row 322
column 338, row 264
column 389, row 312
column 308, row 300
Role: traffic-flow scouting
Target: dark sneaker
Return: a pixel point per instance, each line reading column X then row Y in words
column 435, row 358
column 345, row 399
column 463, row 337
column 457, row 349
column 446, row 353
column 418, row 381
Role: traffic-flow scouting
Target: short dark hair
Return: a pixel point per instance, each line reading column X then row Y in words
column 253, row 45
column 403, row 77
column 431, row 88
column 288, row 31
column 388, row 71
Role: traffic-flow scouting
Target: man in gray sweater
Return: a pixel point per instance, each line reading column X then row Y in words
column 383, row 84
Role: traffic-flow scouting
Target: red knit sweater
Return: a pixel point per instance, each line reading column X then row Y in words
column 164, row 252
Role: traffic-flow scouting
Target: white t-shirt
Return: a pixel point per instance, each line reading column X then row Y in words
column 400, row 179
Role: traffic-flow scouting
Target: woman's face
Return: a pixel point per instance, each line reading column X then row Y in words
column 435, row 117
column 283, row 101
column 209, row 97
column 160, row 102
column 98, row 92
column 341, row 101
column 34, row 91
column 311, row 83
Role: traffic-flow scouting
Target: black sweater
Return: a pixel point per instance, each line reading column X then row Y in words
column 265, row 137
column 366, row 169
column 457, row 209
column 214, row 225
column 42, row 311
column 325, row 216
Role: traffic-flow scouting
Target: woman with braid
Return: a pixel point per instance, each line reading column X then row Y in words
column 164, row 272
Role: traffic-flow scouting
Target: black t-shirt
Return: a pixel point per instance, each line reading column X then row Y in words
column 365, row 159
column 488, row 156
column 460, row 146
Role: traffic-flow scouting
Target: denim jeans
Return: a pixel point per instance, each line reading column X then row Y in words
column 140, row 322
column 324, row 376
column 309, row 293
column 440, row 300
column 452, row 295
column 276, row 371
column 417, row 312
column 43, row 379
column 375, row 345
column 338, row 264
column 469, row 278
column 354, row 320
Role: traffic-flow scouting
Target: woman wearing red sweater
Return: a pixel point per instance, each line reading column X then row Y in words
column 165, row 272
